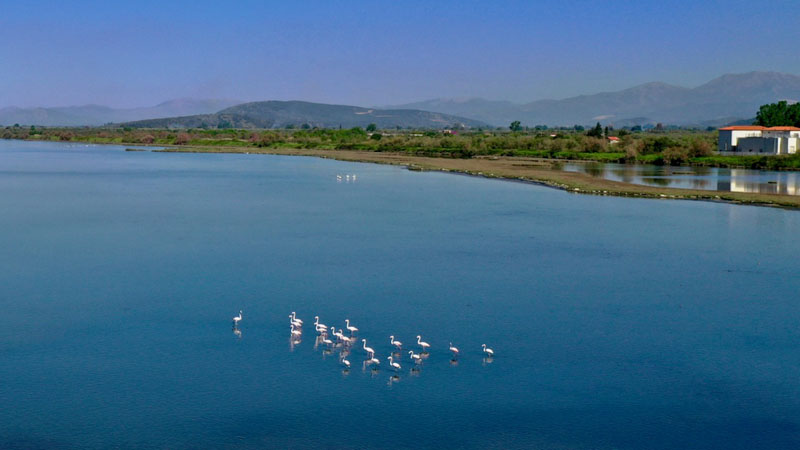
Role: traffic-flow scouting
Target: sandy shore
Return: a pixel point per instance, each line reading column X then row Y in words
column 531, row 170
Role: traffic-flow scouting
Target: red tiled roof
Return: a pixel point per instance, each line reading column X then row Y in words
column 783, row 129
column 744, row 128
column 613, row 138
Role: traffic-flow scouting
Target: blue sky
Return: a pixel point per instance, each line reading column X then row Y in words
column 56, row 53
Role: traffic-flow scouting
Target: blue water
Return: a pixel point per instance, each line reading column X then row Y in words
column 617, row 323
column 694, row 177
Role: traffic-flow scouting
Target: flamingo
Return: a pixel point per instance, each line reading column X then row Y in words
column 374, row 360
column 488, row 351
column 454, row 350
column 295, row 319
column 296, row 332
column 397, row 344
column 237, row 319
column 368, row 349
column 423, row 344
column 346, row 363
column 319, row 326
column 327, row 341
column 414, row 357
column 394, row 365
column 295, row 322
column 349, row 327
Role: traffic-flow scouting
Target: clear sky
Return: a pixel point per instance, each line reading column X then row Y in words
column 55, row 53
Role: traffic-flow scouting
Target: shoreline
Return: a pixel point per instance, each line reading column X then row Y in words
column 514, row 168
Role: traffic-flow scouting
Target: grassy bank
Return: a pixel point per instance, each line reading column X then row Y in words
column 676, row 147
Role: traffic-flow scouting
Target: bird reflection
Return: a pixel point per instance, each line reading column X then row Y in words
column 393, row 379
column 237, row 332
column 292, row 342
column 488, row 360
column 454, row 362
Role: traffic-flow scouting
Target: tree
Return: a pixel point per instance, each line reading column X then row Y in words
column 779, row 114
column 515, row 126
column 597, row 131
column 371, row 127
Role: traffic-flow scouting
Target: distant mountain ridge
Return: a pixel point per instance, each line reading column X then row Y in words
column 725, row 99
column 92, row 115
column 730, row 98
column 280, row 114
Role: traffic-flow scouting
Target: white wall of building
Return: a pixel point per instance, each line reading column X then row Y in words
column 728, row 139
column 767, row 141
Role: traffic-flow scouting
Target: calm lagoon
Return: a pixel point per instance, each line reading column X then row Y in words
column 617, row 323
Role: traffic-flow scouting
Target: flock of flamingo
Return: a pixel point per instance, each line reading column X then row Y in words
column 338, row 338
column 347, row 178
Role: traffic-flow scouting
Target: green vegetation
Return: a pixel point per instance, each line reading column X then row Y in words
column 779, row 114
column 673, row 147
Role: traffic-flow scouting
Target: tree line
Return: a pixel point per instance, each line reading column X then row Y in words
column 780, row 114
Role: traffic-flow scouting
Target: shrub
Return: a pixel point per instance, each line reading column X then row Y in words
column 700, row 147
column 182, row 139
column 675, row 155
column 594, row 144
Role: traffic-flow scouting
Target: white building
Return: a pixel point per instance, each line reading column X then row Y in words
column 754, row 140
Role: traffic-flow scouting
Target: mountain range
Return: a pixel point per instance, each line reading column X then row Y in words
column 278, row 114
column 92, row 115
column 726, row 99
column 731, row 98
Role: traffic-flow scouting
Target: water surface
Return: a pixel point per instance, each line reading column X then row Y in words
column 694, row 177
column 617, row 323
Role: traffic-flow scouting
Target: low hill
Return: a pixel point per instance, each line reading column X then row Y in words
column 279, row 114
column 92, row 115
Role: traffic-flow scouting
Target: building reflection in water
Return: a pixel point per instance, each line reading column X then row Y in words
column 743, row 181
column 702, row 178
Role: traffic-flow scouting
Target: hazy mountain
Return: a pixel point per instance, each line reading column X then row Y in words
column 99, row 115
column 278, row 114
column 722, row 100
column 490, row 111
